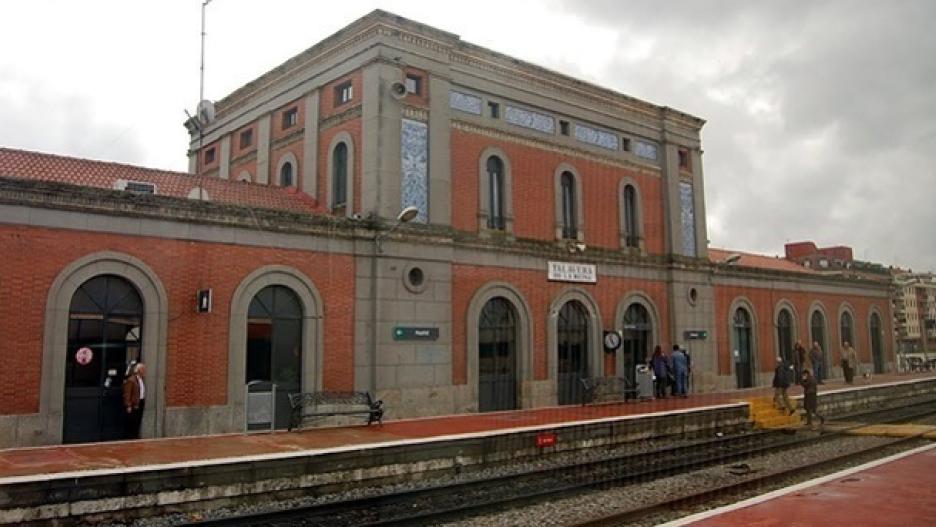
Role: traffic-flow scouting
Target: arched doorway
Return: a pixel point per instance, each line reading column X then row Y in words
column 497, row 356
column 105, row 327
column 572, row 353
column 274, row 345
column 817, row 331
column 636, row 342
column 785, row 335
column 743, row 348
column 877, row 344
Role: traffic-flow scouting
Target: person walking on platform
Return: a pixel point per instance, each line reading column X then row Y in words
column 680, row 371
column 799, row 359
column 849, row 362
column 659, row 363
column 811, row 398
column 815, row 358
column 134, row 400
column 782, row 378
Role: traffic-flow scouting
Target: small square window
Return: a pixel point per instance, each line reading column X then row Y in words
column 209, row 156
column 684, row 159
column 413, row 84
column 246, row 138
column 290, row 118
column 494, row 108
column 625, row 144
column 564, row 127
column 344, row 93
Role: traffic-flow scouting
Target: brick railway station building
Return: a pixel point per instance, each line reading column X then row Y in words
column 550, row 212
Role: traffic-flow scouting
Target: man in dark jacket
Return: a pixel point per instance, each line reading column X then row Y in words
column 782, row 378
column 799, row 359
column 811, row 397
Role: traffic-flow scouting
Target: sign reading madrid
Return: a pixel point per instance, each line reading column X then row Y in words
column 572, row 272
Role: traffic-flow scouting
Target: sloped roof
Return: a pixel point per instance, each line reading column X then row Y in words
column 24, row 164
column 758, row 261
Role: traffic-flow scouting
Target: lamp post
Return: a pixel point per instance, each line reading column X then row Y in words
column 404, row 216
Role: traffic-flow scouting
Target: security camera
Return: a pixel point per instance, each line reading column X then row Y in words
column 357, row 216
column 398, row 90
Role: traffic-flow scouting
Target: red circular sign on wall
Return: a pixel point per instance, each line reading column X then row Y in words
column 83, row 356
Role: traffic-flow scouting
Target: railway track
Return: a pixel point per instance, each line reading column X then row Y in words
column 443, row 503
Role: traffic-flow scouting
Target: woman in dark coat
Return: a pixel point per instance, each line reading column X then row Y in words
column 659, row 363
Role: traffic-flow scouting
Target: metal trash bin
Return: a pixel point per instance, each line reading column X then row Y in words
column 260, row 411
column 644, row 377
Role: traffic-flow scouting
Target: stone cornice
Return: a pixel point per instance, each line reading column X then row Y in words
column 58, row 196
column 382, row 25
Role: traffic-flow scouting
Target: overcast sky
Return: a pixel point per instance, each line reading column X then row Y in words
column 821, row 114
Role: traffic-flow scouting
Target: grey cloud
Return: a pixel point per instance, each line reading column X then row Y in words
column 34, row 119
column 838, row 149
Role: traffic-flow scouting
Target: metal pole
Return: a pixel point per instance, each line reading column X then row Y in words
column 201, row 93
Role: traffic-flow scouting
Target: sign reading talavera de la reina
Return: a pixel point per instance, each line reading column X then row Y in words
column 572, row 272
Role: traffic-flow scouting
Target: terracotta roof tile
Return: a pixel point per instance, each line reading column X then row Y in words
column 100, row 174
column 758, row 261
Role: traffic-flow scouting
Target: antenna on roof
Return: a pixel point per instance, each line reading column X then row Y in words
column 205, row 112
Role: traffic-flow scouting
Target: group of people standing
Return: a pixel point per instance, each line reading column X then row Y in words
column 670, row 371
column 807, row 370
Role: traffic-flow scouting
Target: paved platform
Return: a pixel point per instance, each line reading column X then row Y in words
column 896, row 491
column 61, row 461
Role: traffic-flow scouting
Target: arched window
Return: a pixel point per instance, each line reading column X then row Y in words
column 785, row 335
column 274, row 345
column 104, row 335
column 846, row 329
column 631, row 232
column 743, row 348
column 569, row 221
column 497, row 356
column 286, row 175
column 572, row 332
column 340, row 175
column 495, row 170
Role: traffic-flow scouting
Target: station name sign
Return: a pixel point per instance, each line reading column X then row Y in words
column 572, row 272
column 412, row 333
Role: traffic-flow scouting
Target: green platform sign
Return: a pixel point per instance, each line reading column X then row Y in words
column 695, row 334
column 415, row 333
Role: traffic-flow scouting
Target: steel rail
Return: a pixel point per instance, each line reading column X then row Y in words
column 384, row 510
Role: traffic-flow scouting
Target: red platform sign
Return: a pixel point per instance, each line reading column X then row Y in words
column 545, row 439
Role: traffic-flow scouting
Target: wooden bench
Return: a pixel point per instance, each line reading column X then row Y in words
column 323, row 404
column 608, row 389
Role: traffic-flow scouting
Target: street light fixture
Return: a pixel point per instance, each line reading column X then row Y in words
column 404, row 216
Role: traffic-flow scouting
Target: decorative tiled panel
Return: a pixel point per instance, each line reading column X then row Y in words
column 414, row 167
column 587, row 134
column 526, row 118
column 464, row 102
column 687, row 219
column 645, row 150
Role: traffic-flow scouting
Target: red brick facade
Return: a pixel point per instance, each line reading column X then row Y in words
column 533, row 172
column 539, row 294
column 197, row 345
column 765, row 302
